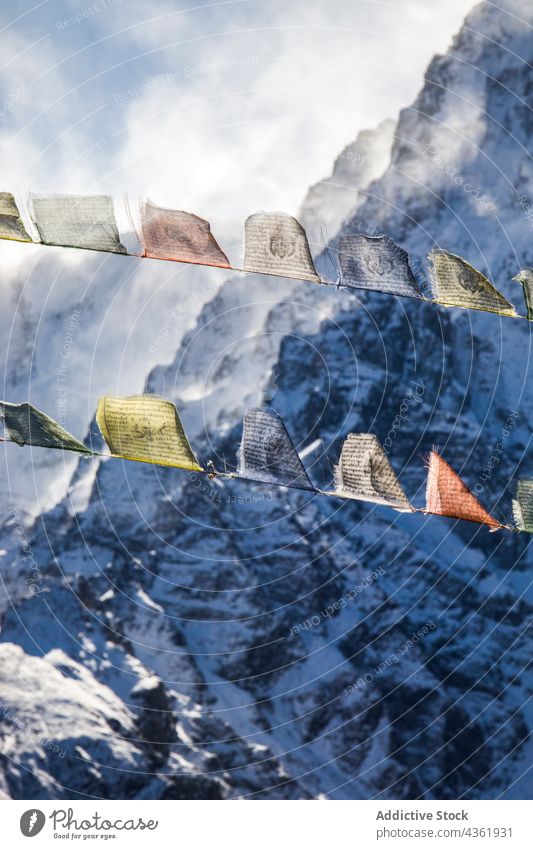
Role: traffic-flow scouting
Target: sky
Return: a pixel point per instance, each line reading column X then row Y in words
column 222, row 108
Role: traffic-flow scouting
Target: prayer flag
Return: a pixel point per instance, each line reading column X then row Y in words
column 267, row 453
column 180, row 236
column 275, row 243
column 364, row 473
column 26, row 425
column 11, row 224
column 145, row 428
column 456, row 283
column 77, row 221
column 523, row 505
column 447, row 495
column 378, row 263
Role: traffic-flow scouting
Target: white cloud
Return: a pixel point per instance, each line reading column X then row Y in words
column 242, row 105
column 271, row 103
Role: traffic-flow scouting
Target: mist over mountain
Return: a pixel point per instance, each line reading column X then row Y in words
column 169, row 636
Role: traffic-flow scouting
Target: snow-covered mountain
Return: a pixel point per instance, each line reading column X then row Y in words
column 218, row 641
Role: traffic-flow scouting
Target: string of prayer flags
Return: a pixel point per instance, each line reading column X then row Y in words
column 447, row 495
column 24, row 424
column 457, row 283
column 77, row 221
column 525, row 277
column 364, row 473
column 145, row 428
column 180, row 236
column 267, row 453
column 11, row 224
column 523, row 505
column 378, row 263
column 276, row 243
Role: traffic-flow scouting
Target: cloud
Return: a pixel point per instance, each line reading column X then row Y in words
column 259, row 109
column 223, row 108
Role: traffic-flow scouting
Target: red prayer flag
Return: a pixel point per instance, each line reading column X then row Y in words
column 447, row 495
column 180, row 236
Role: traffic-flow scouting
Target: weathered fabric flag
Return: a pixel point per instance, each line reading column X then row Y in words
column 377, row 263
column 364, row 473
column 145, row 428
column 275, row 243
column 525, row 277
column 523, row 505
column 181, row 236
column 457, row 283
column 11, row 224
column 447, row 495
column 26, row 425
column 267, row 453
column 77, row 221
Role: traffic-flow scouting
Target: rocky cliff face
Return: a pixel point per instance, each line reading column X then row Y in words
column 242, row 641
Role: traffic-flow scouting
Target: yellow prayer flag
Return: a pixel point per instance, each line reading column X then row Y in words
column 145, row 428
column 456, row 283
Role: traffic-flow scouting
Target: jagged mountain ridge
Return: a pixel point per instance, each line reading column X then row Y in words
column 190, row 606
